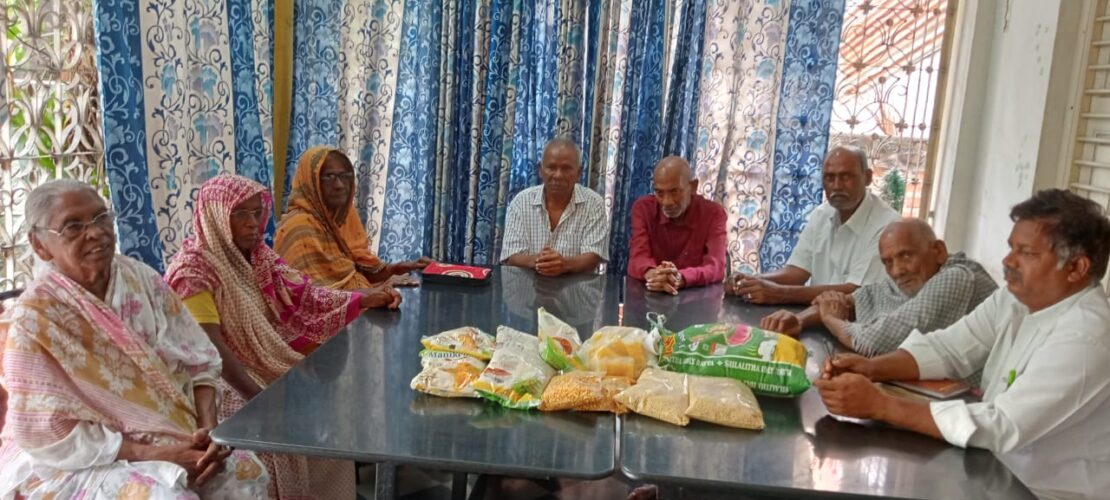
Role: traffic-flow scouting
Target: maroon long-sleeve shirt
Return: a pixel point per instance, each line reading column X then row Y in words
column 695, row 242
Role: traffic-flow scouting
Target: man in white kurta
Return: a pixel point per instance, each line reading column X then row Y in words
column 839, row 248
column 1043, row 343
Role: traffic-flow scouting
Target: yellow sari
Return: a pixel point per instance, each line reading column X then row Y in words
column 335, row 255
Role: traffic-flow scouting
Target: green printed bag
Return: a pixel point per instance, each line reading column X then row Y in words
column 768, row 362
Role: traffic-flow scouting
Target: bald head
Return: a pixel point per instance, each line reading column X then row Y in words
column 911, row 253
column 910, row 227
column 674, row 166
column 674, row 185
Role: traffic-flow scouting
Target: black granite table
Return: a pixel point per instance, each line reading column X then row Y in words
column 350, row 399
column 803, row 452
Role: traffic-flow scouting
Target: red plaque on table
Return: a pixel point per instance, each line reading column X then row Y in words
column 453, row 274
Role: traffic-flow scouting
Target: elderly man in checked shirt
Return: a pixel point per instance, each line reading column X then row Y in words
column 1043, row 344
column 927, row 290
column 558, row 227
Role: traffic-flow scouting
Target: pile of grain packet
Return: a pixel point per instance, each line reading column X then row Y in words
column 594, row 372
column 451, row 361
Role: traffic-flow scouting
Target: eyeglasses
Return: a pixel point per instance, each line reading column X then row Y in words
column 245, row 215
column 74, row 230
column 332, row 177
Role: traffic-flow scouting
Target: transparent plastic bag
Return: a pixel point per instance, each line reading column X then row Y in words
column 560, row 342
column 516, row 375
column 573, row 390
column 466, row 340
column 658, row 394
column 448, row 377
column 723, row 401
column 619, row 351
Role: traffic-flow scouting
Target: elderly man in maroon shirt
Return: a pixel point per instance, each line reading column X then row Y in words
column 678, row 237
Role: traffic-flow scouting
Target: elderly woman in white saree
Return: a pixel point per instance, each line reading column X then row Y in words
column 111, row 384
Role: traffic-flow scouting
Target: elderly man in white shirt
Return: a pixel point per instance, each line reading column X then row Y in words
column 558, row 227
column 838, row 249
column 1043, row 343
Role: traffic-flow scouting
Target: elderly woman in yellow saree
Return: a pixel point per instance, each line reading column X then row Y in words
column 111, row 382
column 321, row 234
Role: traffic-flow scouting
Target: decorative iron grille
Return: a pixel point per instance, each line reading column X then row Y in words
column 891, row 59
column 49, row 113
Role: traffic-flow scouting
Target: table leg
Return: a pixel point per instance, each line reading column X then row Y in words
column 458, row 485
column 385, row 479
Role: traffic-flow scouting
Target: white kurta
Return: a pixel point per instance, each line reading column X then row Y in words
column 834, row 253
column 1046, row 381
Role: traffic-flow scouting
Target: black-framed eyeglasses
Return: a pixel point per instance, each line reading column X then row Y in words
column 75, row 229
column 334, row 176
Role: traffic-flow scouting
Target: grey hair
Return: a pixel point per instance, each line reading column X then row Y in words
column 563, row 142
column 854, row 150
column 41, row 200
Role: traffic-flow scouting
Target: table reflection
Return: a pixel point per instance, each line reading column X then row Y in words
column 575, row 299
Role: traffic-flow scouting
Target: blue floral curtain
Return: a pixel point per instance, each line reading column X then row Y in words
column 444, row 107
column 184, row 96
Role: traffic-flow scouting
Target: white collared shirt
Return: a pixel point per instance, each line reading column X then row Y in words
column 1049, row 421
column 581, row 229
column 835, row 253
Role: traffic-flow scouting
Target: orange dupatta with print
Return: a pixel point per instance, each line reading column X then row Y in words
column 309, row 239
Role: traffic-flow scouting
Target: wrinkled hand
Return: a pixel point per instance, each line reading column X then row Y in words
column 412, row 265
column 384, row 296
column 846, row 363
column 550, row 263
column 212, row 462
column 830, row 295
column 782, row 321
column 760, row 291
column 850, row 395
column 402, row 280
column 732, row 283
column 187, row 456
column 663, row 278
column 832, row 307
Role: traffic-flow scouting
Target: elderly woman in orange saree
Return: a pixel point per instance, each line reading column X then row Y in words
column 321, row 234
column 262, row 315
column 111, row 382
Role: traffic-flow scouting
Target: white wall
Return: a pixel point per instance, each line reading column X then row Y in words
column 1010, row 81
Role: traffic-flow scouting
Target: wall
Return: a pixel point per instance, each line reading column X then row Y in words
column 1010, row 82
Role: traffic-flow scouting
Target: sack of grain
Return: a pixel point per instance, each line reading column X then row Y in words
column 770, row 363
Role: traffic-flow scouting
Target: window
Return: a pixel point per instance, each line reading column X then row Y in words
column 1089, row 175
column 892, row 56
column 49, row 114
